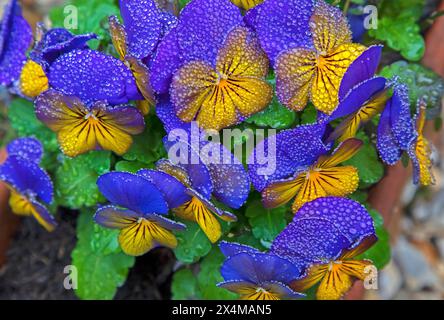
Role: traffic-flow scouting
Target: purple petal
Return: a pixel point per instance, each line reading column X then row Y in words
column 231, row 184
column 166, row 113
column 259, row 268
column 114, row 217
column 282, row 25
column 310, row 240
column 128, row 118
column 47, row 219
column 27, row 178
column 166, row 61
column 164, row 222
column 203, row 26
column 350, row 217
column 132, row 192
column 29, row 148
column 363, row 68
column 402, row 124
column 91, row 76
column 295, row 150
column 388, row 148
column 230, row 248
column 358, row 96
column 172, row 189
column 57, row 42
column 145, row 25
column 15, row 39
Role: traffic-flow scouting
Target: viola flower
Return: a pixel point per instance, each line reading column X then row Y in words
column 53, row 44
column 256, row 275
column 190, row 187
column 136, row 42
column 316, row 73
column 328, row 233
column 247, row 4
column 420, row 151
column 362, row 96
column 221, row 69
column 137, row 209
column 15, row 39
column 304, row 171
column 31, row 187
column 83, row 127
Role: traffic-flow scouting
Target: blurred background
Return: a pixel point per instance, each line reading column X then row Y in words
column 414, row 217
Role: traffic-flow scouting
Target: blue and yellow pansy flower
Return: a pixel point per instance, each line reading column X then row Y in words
column 31, row 187
column 15, row 39
column 221, row 69
column 137, row 209
column 83, row 127
column 256, row 275
column 304, row 170
column 315, row 73
column 189, row 188
column 328, row 234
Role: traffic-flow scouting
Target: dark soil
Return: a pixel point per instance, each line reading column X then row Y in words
column 36, row 259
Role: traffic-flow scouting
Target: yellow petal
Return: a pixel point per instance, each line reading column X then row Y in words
column 142, row 76
column 330, row 70
column 195, row 210
column 336, row 181
column 294, row 73
column 118, row 37
column 246, row 4
column 329, row 27
column 345, row 151
column 310, row 190
column 356, row 268
column 280, row 193
column 334, row 284
column 136, row 239
column 314, row 274
column 423, row 152
column 19, row 204
column 33, row 80
column 350, row 126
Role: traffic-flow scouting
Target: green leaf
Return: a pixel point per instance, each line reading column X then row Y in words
column 147, row 146
column 23, row 120
column 370, row 169
column 131, row 166
column 184, row 285
column 380, row 252
column 92, row 16
column 422, row 83
column 209, row 276
column 401, row 34
column 75, row 180
column 100, row 270
column 309, row 115
column 275, row 116
column 266, row 223
column 192, row 243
